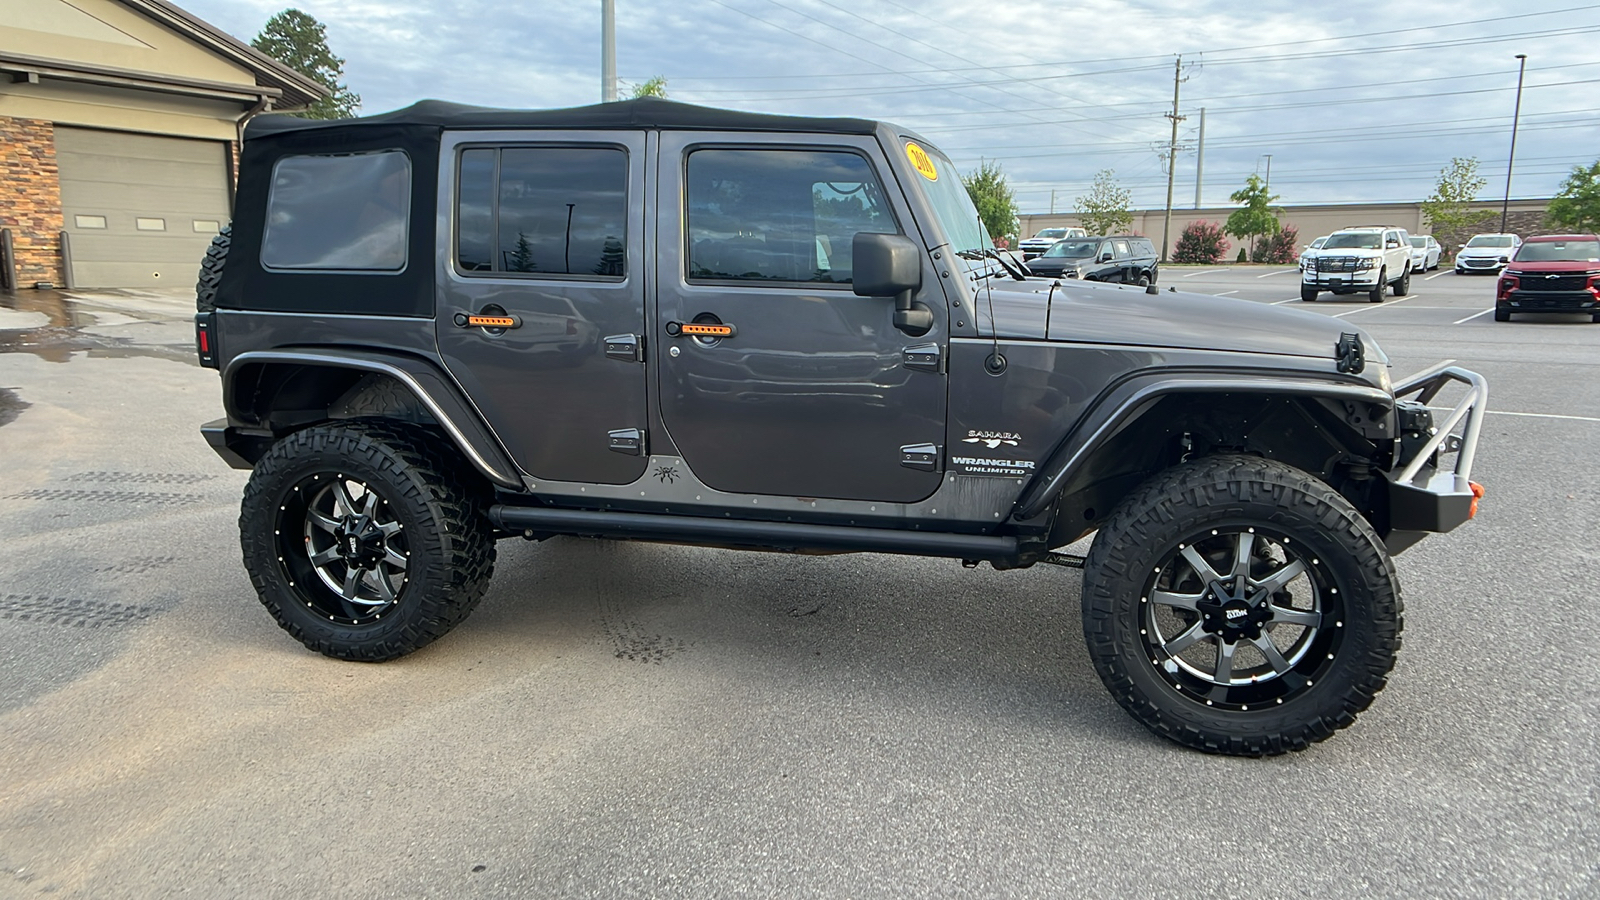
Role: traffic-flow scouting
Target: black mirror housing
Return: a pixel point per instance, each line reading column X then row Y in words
column 884, row 265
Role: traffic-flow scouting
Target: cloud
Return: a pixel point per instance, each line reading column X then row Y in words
column 1054, row 93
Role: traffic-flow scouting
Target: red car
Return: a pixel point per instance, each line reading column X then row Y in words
column 1552, row 273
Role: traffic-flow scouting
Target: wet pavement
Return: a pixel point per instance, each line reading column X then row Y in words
column 53, row 325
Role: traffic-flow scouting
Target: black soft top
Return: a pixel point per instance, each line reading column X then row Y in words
column 645, row 113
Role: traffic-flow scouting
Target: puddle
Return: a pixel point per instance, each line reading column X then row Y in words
column 11, row 406
column 70, row 317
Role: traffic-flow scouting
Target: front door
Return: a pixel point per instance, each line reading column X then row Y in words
column 545, row 233
column 809, row 393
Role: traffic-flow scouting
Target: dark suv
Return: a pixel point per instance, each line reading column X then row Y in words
column 1552, row 273
column 446, row 326
column 1119, row 258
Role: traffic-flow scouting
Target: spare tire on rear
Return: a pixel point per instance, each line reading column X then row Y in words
column 205, row 290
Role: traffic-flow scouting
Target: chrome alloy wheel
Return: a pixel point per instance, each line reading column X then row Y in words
column 344, row 548
column 1240, row 618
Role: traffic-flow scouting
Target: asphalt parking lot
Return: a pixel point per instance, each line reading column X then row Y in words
column 641, row 720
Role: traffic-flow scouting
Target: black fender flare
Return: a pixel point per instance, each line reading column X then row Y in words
column 1124, row 402
column 424, row 380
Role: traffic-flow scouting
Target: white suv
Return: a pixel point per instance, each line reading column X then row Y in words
column 1044, row 240
column 1359, row 260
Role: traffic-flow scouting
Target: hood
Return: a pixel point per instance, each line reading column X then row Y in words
column 1095, row 313
column 1483, row 252
column 1564, row 267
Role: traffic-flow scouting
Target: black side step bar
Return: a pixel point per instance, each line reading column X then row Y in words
column 790, row 536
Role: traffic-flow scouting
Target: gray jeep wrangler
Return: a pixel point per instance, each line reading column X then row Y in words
column 447, row 325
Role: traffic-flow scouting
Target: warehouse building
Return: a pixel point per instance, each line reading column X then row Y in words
column 119, row 123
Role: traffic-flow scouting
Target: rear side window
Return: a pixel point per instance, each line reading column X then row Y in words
column 780, row 215
column 344, row 213
column 543, row 211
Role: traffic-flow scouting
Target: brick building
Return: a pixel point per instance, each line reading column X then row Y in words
column 119, row 122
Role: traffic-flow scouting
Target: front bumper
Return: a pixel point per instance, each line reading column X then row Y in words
column 1549, row 301
column 1423, row 499
column 1472, row 264
column 1341, row 282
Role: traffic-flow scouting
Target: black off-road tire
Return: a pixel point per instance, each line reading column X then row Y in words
column 435, row 499
column 1346, row 661
column 1376, row 294
column 1144, row 281
column 1504, row 315
column 1403, row 286
column 205, row 290
column 1308, row 295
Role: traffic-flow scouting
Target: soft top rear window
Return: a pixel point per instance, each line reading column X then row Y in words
column 340, row 213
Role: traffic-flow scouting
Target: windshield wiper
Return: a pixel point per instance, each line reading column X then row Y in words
column 1014, row 267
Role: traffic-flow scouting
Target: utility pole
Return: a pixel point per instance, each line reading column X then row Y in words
column 1172, row 155
column 1052, row 201
column 608, row 50
column 1268, row 188
column 1505, row 206
column 1200, row 159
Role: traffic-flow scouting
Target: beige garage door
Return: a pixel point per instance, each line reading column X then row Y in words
column 140, row 209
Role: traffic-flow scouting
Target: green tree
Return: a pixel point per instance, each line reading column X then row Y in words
column 1104, row 210
column 300, row 42
column 1458, row 185
column 655, row 87
column 997, row 206
column 522, row 256
column 1577, row 204
column 1257, row 216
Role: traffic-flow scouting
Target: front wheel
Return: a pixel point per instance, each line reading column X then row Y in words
column 364, row 540
column 1403, row 286
column 1376, row 294
column 1238, row 605
column 1308, row 295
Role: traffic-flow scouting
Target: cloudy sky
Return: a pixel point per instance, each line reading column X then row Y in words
column 1353, row 101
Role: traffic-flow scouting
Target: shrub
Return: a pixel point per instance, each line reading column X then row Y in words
column 1278, row 248
column 1240, row 258
column 1202, row 242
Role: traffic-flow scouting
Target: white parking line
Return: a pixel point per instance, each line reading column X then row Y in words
column 1502, row 412
column 1207, row 272
column 1436, row 275
column 1224, row 293
column 1473, row 316
column 1390, row 305
column 1282, row 302
column 1284, row 272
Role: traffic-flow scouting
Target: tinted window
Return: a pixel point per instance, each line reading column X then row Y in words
column 543, row 210
column 780, row 215
column 1122, row 248
column 1559, row 251
column 338, row 212
column 1071, row 249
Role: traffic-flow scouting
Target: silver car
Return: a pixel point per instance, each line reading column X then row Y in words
column 1311, row 248
column 1425, row 252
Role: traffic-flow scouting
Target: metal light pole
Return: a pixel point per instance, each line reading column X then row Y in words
column 1268, row 188
column 1516, row 115
column 608, row 51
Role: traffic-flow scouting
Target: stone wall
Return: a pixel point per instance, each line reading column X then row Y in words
column 30, row 198
column 1524, row 222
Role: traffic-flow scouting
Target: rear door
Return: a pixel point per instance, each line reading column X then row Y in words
column 544, row 232
column 812, row 393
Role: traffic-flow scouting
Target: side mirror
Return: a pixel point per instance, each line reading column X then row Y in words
column 890, row 265
column 1392, row 244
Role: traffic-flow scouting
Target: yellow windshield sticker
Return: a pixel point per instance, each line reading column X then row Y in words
column 921, row 161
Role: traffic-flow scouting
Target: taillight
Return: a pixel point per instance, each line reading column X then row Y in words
column 205, row 339
column 1508, row 283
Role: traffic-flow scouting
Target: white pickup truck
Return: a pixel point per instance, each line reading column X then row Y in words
column 1045, row 239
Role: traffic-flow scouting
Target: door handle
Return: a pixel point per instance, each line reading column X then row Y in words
column 500, row 322
column 701, row 329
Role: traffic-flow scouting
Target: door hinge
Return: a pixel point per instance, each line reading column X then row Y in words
column 926, row 357
column 922, row 457
column 628, row 440
column 625, row 347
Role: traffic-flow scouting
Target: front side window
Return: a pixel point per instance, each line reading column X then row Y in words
column 338, row 213
column 780, row 215
column 543, row 211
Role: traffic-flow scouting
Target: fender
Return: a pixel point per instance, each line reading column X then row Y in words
column 465, row 428
column 1126, row 401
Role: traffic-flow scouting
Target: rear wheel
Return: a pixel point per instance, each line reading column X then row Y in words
column 363, row 539
column 1376, row 294
column 1237, row 605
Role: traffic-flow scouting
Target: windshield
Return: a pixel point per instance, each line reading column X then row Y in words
column 951, row 205
column 1490, row 240
column 1354, row 242
column 1419, row 242
column 1072, row 249
column 1560, row 251
column 1052, row 234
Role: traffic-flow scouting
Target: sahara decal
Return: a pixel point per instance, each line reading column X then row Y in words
column 992, row 439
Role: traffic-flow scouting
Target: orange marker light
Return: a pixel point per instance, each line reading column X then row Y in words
column 491, row 321
column 708, row 330
column 1477, row 494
